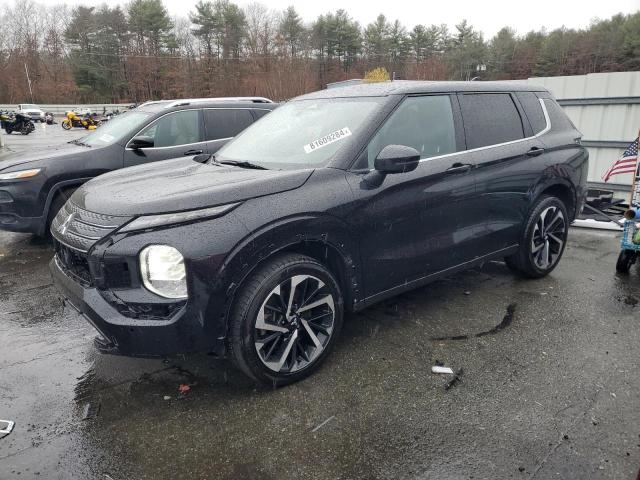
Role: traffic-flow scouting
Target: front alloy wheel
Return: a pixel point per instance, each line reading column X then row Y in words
column 285, row 320
column 294, row 324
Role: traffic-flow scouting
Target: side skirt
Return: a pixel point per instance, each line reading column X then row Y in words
column 413, row 284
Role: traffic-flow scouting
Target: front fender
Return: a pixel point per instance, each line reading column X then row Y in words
column 283, row 234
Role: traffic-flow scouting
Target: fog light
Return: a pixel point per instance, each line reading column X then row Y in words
column 163, row 271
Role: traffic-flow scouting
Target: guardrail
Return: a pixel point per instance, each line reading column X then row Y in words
column 61, row 109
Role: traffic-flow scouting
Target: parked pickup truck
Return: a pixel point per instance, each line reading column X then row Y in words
column 32, row 111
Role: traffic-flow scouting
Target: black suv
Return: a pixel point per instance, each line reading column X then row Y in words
column 33, row 186
column 336, row 200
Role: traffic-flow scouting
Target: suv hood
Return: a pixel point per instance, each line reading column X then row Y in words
column 52, row 153
column 180, row 184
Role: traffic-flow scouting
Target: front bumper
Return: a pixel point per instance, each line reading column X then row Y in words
column 123, row 335
column 15, row 223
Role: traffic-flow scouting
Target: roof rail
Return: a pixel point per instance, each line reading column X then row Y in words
column 189, row 101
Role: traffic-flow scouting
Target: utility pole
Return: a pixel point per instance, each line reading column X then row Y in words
column 28, row 81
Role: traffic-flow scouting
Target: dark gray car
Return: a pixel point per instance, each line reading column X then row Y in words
column 35, row 185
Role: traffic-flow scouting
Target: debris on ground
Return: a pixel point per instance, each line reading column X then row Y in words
column 6, row 426
column 90, row 411
column 456, row 378
column 441, row 369
column 184, row 388
column 323, row 423
column 167, row 397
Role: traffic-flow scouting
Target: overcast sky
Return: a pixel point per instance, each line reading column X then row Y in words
column 486, row 15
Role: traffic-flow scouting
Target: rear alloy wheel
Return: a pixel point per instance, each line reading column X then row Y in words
column 286, row 320
column 544, row 239
column 549, row 236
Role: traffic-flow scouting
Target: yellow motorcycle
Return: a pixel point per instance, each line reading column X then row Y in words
column 74, row 120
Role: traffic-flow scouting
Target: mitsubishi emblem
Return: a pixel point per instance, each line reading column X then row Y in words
column 65, row 225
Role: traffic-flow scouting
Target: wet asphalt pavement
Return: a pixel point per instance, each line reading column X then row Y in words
column 549, row 387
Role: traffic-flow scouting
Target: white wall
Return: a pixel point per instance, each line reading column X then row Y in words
column 611, row 122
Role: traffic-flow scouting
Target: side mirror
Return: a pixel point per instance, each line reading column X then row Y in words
column 397, row 159
column 140, row 142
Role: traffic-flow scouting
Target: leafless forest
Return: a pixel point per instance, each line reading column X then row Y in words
column 137, row 51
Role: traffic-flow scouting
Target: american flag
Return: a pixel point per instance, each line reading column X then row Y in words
column 625, row 164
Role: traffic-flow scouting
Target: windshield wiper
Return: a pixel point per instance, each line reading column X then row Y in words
column 237, row 163
column 78, row 142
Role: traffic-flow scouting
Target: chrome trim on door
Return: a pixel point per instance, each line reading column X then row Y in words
column 187, row 144
column 539, row 134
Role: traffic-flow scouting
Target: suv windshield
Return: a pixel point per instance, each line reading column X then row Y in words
column 115, row 129
column 30, row 107
column 301, row 134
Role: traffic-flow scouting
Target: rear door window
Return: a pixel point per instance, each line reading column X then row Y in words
column 533, row 111
column 424, row 123
column 225, row 123
column 489, row 119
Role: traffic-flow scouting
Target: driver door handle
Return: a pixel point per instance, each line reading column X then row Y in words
column 458, row 168
column 535, row 151
column 193, row 152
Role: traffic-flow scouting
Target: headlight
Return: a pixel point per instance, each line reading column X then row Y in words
column 151, row 221
column 20, row 174
column 163, row 271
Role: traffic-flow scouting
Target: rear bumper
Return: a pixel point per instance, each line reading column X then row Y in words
column 123, row 335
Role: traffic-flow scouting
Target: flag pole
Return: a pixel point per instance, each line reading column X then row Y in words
column 634, row 200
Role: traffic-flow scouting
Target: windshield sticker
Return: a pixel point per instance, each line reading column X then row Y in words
column 327, row 139
column 106, row 138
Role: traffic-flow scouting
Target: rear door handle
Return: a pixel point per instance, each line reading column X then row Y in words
column 535, row 151
column 193, row 152
column 458, row 168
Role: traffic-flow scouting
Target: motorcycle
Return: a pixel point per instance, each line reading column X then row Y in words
column 48, row 117
column 16, row 122
column 86, row 121
column 106, row 116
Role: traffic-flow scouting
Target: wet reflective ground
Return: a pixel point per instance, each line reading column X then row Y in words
column 549, row 389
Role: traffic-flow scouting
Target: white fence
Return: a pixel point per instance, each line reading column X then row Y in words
column 605, row 107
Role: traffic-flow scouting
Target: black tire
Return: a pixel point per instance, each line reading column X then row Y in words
column 56, row 204
column 8, row 130
column 625, row 260
column 295, row 342
column 539, row 252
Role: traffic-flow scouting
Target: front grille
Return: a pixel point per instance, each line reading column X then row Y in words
column 73, row 263
column 81, row 229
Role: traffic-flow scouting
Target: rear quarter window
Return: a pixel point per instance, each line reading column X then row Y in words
column 533, row 111
column 489, row 119
column 557, row 117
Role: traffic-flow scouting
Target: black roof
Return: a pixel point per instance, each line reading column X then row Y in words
column 404, row 87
